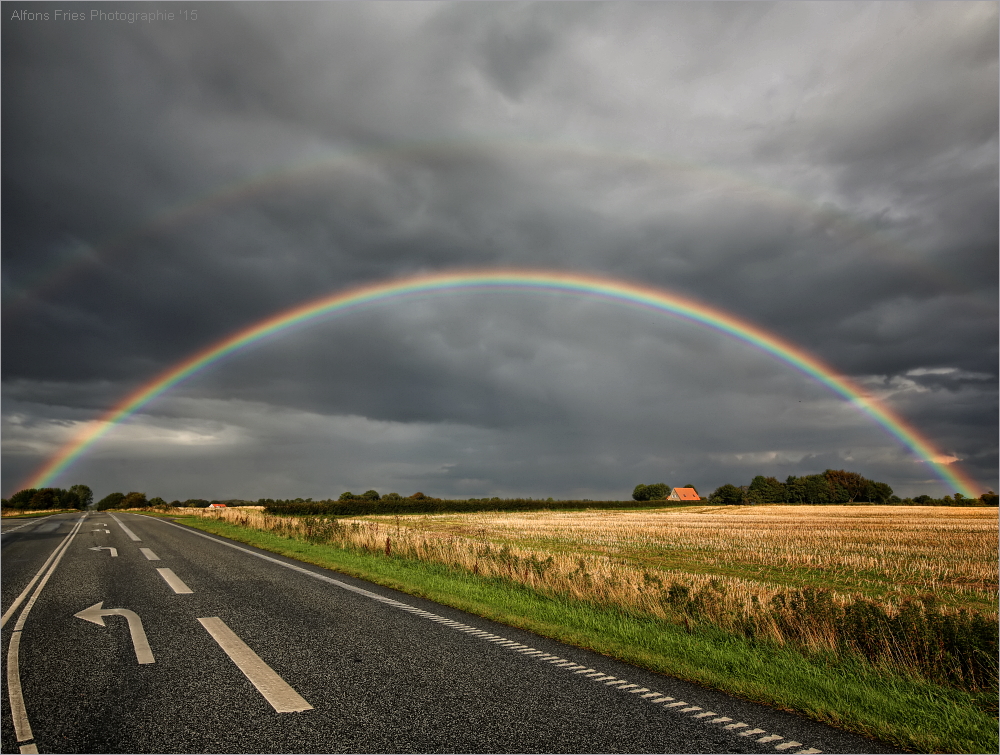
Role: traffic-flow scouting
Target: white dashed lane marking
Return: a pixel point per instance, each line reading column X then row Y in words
column 175, row 582
column 530, row 652
column 150, row 556
column 275, row 690
column 135, row 538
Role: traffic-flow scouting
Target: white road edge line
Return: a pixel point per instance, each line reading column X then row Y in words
column 13, row 606
column 150, row 556
column 427, row 614
column 175, row 582
column 18, row 712
column 21, row 526
column 275, row 690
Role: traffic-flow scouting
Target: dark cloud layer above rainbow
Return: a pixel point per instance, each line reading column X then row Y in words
column 823, row 171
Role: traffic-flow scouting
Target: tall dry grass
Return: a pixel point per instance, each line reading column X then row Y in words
column 904, row 578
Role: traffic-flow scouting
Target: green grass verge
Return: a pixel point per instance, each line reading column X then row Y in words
column 37, row 514
column 853, row 696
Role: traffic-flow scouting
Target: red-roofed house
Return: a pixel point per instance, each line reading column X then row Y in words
column 683, row 494
column 216, row 505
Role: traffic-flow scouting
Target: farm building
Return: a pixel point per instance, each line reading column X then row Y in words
column 683, row 494
column 216, row 505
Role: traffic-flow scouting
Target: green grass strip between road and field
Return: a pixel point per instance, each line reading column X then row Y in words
column 905, row 712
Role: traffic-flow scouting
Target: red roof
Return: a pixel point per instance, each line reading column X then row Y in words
column 684, row 494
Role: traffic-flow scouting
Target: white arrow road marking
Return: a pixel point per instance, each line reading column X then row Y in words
column 127, row 531
column 114, row 551
column 275, row 690
column 175, row 582
column 96, row 615
column 150, row 556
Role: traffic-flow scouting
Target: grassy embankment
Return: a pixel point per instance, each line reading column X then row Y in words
column 869, row 618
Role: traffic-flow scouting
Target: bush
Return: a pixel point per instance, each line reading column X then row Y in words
column 134, row 500
column 110, row 501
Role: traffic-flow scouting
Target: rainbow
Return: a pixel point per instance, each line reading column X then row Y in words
column 608, row 289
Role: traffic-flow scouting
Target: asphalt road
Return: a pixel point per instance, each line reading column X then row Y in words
column 246, row 654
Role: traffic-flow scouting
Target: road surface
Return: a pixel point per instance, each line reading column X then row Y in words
column 125, row 633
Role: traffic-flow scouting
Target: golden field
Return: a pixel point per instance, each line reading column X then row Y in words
column 746, row 554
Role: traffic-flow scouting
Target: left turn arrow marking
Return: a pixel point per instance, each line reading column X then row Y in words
column 114, row 551
column 96, row 614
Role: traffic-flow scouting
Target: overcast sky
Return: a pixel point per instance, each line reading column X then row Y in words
column 826, row 170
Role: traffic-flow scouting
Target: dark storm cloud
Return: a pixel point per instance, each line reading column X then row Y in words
column 827, row 170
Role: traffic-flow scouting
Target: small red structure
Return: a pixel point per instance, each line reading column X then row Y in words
column 216, row 505
column 683, row 494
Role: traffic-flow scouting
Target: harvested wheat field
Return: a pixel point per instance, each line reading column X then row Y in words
column 911, row 587
column 877, row 551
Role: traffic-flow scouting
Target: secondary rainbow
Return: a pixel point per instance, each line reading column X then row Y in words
column 619, row 291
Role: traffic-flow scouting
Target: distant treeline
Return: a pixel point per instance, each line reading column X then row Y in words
column 833, row 486
column 38, row 499
column 396, row 504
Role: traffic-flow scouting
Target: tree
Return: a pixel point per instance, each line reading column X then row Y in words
column 85, row 494
column 134, row 500
column 879, row 492
column 727, row 495
column 854, row 486
column 795, row 489
column 110, row 501
column 46, row 498
column 816, row 489
column 658, row 491
column 370, row 495
column 768, row 489
column 347, row 495
column 640, row 493
column 418, row 496
column 989, row 498
column 22, row 498
column 158, row 503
